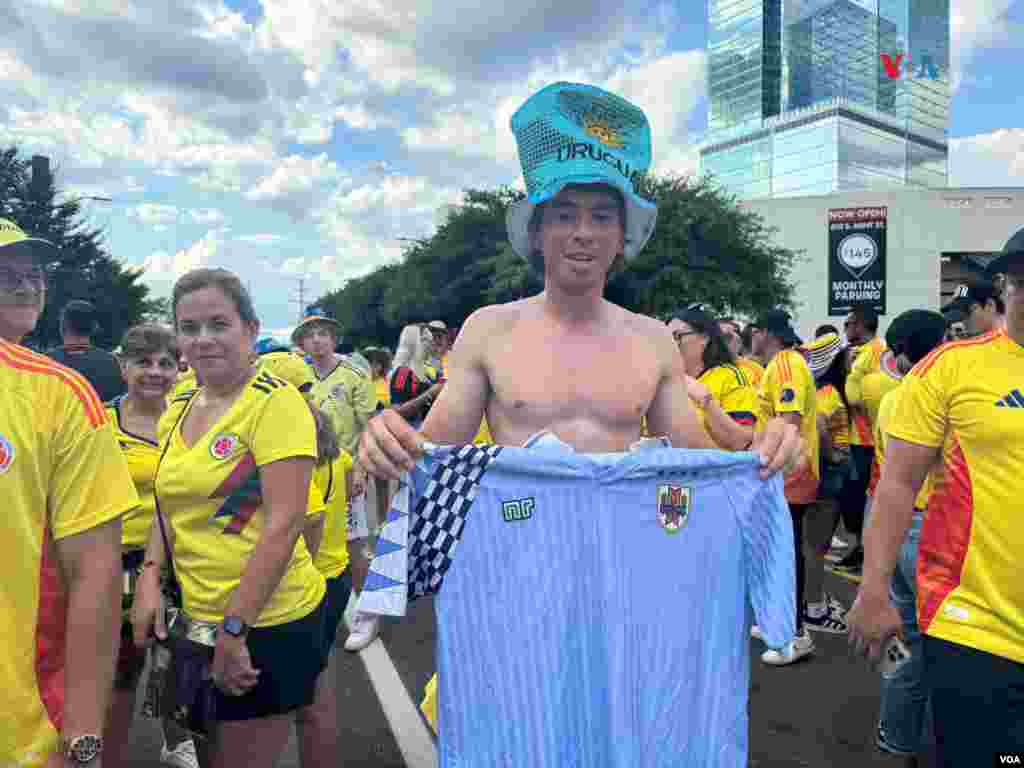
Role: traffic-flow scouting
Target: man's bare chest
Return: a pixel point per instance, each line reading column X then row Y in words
column 547, row 380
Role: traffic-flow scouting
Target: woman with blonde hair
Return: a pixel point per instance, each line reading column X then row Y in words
column 412, row 392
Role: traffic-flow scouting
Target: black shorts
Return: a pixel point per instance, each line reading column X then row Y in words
column 290, row 658
column 338, row 590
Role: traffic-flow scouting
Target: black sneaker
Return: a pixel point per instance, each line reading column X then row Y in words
column 853, row 561
column 832, row 621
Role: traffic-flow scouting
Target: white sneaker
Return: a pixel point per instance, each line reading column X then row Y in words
column 755, row 632
column 796, row 649
column 838, row 543
column 182, row 756
column 362, row 633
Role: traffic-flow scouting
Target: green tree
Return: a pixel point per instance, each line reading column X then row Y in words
column 736, row 269
column 83, row 267
column 705, row 248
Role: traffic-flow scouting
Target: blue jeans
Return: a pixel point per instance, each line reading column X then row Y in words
column 903, row 722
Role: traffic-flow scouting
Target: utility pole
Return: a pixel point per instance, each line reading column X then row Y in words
column 300, row 299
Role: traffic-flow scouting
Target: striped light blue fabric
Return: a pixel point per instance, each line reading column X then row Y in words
column 574, row 629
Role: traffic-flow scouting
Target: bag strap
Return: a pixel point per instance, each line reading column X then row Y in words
column 175, row 585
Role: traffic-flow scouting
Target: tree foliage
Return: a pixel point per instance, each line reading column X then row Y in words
column 705, row 248
column 83, row 268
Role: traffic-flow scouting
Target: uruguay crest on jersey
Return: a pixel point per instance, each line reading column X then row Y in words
column 673, row 507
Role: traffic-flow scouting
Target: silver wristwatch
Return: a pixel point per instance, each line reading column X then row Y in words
column 82, row 750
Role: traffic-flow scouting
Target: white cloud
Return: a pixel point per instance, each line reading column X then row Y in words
column 294, row 181
column 976, row 25
column 993, row 159
column 162, row 266
column 207, row 215
column 261, row 238
column 154, row 213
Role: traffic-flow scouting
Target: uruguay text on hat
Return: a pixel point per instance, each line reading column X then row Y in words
column 570, row 133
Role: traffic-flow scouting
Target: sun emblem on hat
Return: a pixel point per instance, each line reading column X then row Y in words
column 6, row 454
column 603, row 131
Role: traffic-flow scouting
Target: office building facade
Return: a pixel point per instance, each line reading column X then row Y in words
column 810, row 97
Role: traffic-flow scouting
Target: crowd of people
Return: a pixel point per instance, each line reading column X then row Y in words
column 209, row 509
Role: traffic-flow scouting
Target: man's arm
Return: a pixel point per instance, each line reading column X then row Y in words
column 670, row 412
column 456, row 414
column 855, row 380
column 824, row 437
column 90, row 562
column 906, row 466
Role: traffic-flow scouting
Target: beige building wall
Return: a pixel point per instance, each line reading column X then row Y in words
column 922, row 225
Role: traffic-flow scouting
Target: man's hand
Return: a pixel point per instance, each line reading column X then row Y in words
column 389, row 446
column 232, row 671
column 781, row 447
column 872, row 619
column 148, row 609
column 698, row 392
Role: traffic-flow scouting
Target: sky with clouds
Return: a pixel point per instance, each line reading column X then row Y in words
column 289, row 139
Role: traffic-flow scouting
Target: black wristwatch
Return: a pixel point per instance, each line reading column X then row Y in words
column 82, row 750
column 234, row 626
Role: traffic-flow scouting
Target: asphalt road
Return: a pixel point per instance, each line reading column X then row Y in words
column 819, row 712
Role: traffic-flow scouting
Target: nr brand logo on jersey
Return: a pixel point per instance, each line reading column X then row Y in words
column 1012, row 400
column 787, row 396
column 6, row 454
column 224, row 445
column 673, row 507
column 518, row 510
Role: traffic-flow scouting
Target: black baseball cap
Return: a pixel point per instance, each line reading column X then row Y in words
column 1011, row 259
column 973, row 292
column 778, row 323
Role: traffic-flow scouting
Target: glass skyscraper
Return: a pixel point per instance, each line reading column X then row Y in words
column 809, row 97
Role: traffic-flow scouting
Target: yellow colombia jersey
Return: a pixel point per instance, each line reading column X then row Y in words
column 965, row 398
column 142, row 455
column 877, row 385
column 383, row 392
column 349, row 398
column 867, row 361
column 788, row 387
column 186, row 383
column 61, row 473
column 889, row 404
column 332, row 557
column 212, row 495
column 752, row 369
column 732, row 391
column 831, row 406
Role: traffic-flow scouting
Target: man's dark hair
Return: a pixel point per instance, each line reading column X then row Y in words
column 746, row 337
column 379, row 357
column 822, row 330
column 79, row 317
column 717, row 351
column 867, row 316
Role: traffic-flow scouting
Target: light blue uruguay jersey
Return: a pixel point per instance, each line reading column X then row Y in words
column 592, row 609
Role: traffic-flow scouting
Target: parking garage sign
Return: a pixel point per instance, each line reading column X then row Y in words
column 856, row 260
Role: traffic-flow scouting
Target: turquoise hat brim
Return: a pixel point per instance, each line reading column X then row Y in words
column 641, row 216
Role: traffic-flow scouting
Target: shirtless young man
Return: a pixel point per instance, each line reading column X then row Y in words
column 567, row 360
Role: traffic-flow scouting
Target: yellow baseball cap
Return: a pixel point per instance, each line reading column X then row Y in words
column 13, row 237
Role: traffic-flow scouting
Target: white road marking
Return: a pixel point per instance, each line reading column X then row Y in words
column 407, row 725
